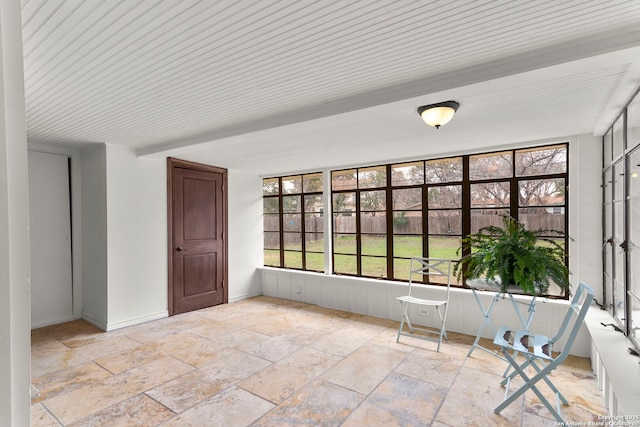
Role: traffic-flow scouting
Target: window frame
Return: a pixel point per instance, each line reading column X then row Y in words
column 466, row 208
column 354, row 182
column 302, row 212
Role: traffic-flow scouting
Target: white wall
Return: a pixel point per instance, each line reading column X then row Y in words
column 15, row 346
column 245, row 234
column 94, row 235
column 377, row 297
column 585, row 208
column 136, row 224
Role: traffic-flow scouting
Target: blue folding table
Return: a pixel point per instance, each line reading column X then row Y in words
column 477, row 285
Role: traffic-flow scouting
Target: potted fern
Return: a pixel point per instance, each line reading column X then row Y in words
column 514, row 256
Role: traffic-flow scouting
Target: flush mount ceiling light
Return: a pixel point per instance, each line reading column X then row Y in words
column 438, row 114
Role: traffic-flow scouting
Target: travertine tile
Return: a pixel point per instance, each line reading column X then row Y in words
column 325, row 323
column 399, row 401
column 105, row 347
column 387, row 338
column 483, row 361
column 345, row 340
column 281, row 379
column 531, row 420
column 44, row 348
column 47, row 364
column 199, row 353
column 231, row 407
column 365, row 368
column 173, row 343
column 457, row 346
column 375, row 322
column 184, row 322
column 227, row 326
column 471, row 400
column 273, row 327
column 187, row 390
column 127, row 359
column 67, row 380
column 41, row 418
column 305, row 336
column 78, row 404
column 276, row 348
column 138, row 411
column 332, row 313
column 579, row 388
column 436, row 368
column 76, row 329
column 320, row 403
column 241, row 339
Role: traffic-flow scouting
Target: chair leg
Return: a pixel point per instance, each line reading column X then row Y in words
column 400, row 330
column 405, row 318
column 513, row 374
column 529, row 384
column 551, row 385
column 443, row 331
column 531, row 362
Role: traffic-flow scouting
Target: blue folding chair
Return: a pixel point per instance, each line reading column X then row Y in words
column 538, row 353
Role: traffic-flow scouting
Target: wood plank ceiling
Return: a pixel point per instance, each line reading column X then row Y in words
column 166, row 73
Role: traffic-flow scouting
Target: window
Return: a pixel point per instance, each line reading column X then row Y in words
column 620, row 212
column 384, row 215
column 293, row 222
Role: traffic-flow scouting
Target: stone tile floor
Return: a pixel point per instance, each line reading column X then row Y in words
column 270, row 362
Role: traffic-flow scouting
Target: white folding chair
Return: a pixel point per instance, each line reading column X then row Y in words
column 426, row 267
column 538, row 353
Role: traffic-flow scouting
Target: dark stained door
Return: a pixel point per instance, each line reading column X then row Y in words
column 198, row 246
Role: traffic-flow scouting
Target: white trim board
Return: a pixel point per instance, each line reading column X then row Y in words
column 617, row 370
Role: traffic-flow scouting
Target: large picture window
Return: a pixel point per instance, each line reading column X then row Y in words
column 384, row 215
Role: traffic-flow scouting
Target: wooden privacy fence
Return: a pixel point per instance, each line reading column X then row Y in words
column 438, row 225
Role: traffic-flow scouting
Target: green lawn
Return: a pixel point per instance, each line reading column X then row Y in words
column 374, row 251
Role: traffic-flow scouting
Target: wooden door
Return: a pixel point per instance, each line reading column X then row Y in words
column 197, row 236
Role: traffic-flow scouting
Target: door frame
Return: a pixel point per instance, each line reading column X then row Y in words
column 172, row 164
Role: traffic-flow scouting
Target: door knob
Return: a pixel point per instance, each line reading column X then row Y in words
column 179, row 249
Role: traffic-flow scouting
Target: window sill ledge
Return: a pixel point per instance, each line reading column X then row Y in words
column 618, row 372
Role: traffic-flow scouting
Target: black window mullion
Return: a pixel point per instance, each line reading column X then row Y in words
column 466, row 203
column 303, row 236
column 358, row 235
column 425, row 220
column 281, row 220
column 514, row 197
column 389, row 233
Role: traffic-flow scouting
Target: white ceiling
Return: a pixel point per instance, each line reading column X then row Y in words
column 296, row 85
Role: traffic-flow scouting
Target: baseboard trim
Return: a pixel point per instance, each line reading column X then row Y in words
column 55, row 322
column 137, row 320
column 93, row 321
column 245, row 296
